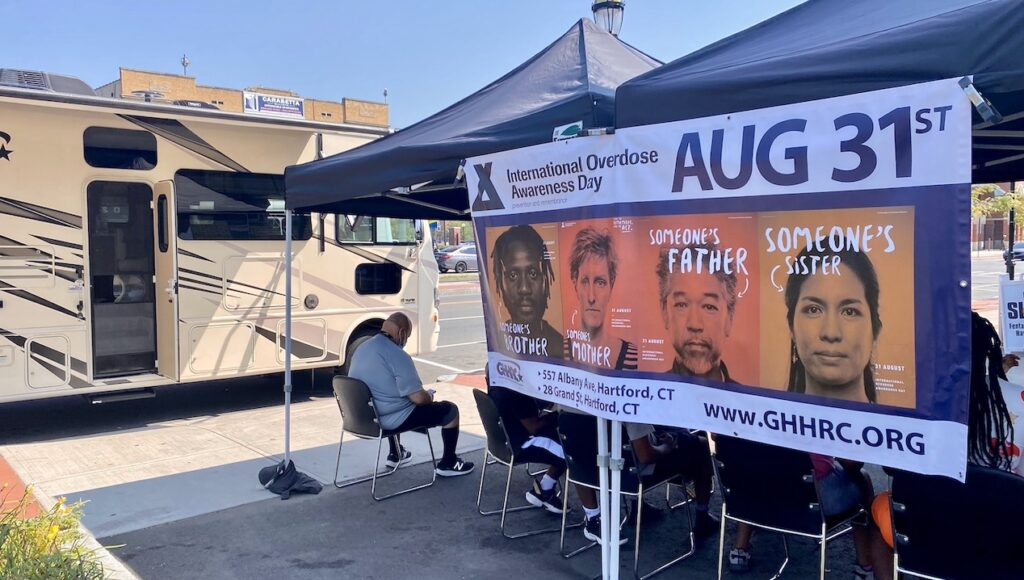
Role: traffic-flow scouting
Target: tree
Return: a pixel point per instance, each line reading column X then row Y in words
column 985, row 202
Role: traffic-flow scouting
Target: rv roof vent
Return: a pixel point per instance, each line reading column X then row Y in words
column 26, row 79
column 30, row 79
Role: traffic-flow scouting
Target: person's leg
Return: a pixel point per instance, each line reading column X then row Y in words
column 446, row 415
column 744, row 532
column 881, row 555
column 394, row 445
column 544, row 491
column 739, row 555
column 692, row 460
column 695, row 463
column 840, row 492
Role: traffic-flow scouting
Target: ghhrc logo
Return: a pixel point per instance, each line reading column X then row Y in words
column 510, row 371
column 5, row 140
column 492, row 202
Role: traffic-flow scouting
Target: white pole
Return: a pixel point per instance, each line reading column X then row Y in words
column 602, row 496
column 287, row 335
column 615, row 468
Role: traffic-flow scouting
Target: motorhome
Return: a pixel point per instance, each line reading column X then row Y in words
column 142, row 244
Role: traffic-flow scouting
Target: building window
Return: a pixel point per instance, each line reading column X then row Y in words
column 111, row 148
column 325, row 114
column 224, row 205
column 216, row 102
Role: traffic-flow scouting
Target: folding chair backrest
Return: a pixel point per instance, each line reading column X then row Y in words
column 356, row 405
column 954, row 530
column 768, row 485
column 497, row 439
column 579, row 443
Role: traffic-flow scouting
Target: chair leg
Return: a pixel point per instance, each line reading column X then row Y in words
column 670, row 563
column 337, row 466
column 721, row 540
column 376, row 475
column 785, row 550
column 824, row 544
column 636, row 540
column 376, row 463
column 505, row 510
column 489, row 460
column 480, row 491
column 565, row 514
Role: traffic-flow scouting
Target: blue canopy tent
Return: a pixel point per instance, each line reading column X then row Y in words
column 412, row 173
column 828, row 48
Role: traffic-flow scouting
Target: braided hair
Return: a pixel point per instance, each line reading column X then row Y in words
column 528, row 237
column 988, row 421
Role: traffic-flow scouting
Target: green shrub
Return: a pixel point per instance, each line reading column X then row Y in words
column 47, row 546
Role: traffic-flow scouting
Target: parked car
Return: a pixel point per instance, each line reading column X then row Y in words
column 439, row 255
column 1018, row 251
column 461, row 260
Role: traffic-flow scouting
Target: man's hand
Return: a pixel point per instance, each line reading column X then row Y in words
column 1010, row 361
column 421, row 397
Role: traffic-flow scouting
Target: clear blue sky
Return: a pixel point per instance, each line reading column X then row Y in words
column 428, row 54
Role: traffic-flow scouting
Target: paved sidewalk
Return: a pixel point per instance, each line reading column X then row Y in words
column 429, row 534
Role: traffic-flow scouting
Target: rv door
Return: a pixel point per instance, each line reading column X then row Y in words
column 165, row 230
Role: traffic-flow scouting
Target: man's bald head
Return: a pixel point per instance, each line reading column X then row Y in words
column 398, row 327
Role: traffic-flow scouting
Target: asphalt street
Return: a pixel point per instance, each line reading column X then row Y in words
column 461, row 347
column 986, row 268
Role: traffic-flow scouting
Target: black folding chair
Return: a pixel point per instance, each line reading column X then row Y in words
column 579, row 443
column 359, row 417
column 946, row 529
column 499, row 447
column 772, row 488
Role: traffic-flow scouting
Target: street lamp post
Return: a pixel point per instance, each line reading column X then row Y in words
column 608, row 14
column 1013, row 234
column 184, row 64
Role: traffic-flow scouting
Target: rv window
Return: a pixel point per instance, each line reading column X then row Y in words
column 366, row 230
column 396, row 231
column 161, row 223
column 224, row 205
column 354, row 229
column 119, row 148
column 382, row 278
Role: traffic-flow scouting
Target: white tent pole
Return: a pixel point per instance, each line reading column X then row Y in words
column 615, row 469
column 602, row 496
column 287, row 334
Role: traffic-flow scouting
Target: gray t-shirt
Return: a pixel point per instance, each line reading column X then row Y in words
column 391, row 375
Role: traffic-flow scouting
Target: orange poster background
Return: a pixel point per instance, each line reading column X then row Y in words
column 624, row 301
column 894, row 355
column 635, row 300
column 553, row 314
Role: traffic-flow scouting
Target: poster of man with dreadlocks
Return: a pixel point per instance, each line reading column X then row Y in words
column 524, row 280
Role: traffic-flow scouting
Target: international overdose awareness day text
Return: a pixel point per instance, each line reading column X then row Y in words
column 794, row 275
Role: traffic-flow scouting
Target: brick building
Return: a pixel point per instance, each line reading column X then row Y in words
column 163, row 87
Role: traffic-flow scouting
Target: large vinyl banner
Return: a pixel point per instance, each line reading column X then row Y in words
column 798, row 275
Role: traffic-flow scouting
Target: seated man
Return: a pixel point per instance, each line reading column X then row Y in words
column 534, row 438
column 663, row 454
column 398, row 393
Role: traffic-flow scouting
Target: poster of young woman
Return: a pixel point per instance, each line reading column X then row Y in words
column 796, row 275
